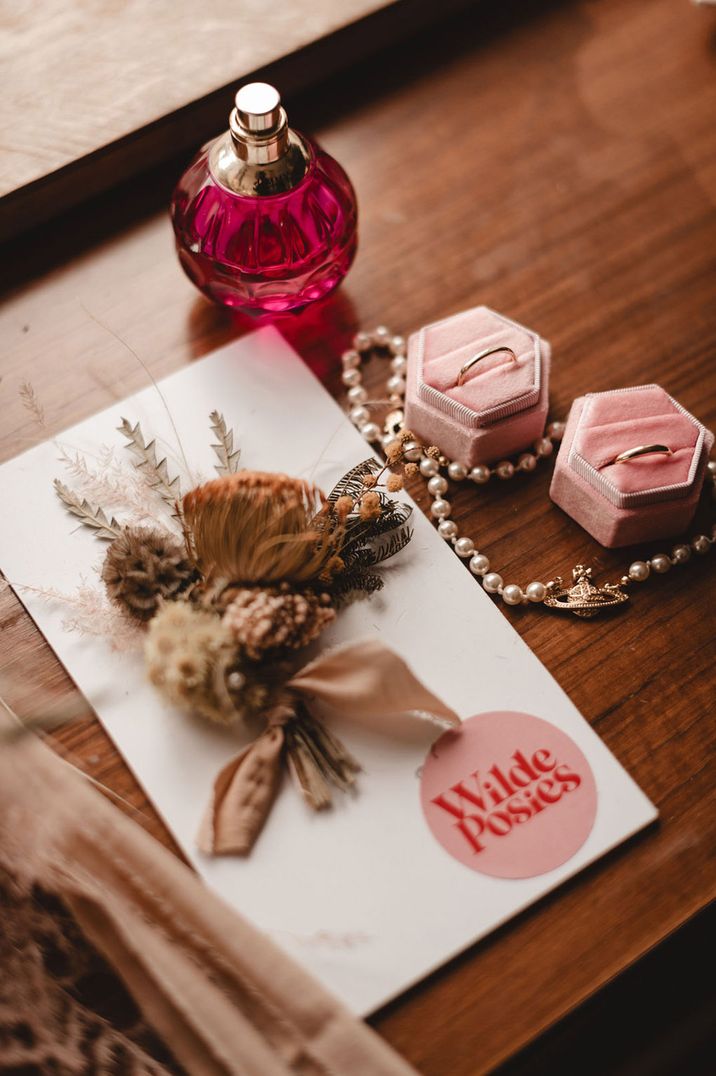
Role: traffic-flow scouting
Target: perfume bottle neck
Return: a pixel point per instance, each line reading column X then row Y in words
column 259, row 139
column 259, row 155
column 256, row 180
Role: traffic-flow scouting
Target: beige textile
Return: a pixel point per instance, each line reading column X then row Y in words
column 217, row 991
column 365, row 681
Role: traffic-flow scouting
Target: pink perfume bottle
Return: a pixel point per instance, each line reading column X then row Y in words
column 264, row 219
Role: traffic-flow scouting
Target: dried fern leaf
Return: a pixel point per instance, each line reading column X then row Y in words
column 225, row 452
column 155, row 471
column 390, row 544
column 361, row 533
column 91, row 516
column 353, row 586
column 351, row 485
column 31, row 402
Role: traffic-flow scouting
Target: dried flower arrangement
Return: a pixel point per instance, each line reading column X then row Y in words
column 248, row 570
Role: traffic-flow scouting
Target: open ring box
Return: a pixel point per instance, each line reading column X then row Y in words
column 501, row 405
column 653, row 495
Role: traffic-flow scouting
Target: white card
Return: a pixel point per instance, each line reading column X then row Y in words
column 363, row 895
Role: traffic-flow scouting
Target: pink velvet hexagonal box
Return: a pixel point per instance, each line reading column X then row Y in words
column 653, row 493
column 499, row 404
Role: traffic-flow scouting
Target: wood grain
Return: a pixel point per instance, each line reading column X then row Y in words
column 560, row 168
column 95, row 93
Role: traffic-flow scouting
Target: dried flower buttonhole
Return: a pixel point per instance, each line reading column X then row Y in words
column 232, row 580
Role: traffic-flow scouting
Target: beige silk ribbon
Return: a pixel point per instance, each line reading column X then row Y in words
column 361, row 680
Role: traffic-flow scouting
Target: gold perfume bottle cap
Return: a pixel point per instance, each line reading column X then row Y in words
column 259, row 155
column 258, row 107
column 258, row 124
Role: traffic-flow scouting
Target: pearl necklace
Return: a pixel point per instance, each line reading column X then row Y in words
column 583, row 597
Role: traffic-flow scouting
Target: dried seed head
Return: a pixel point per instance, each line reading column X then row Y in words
column 143, row 567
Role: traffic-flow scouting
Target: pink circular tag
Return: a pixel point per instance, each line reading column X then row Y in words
column 508, row 794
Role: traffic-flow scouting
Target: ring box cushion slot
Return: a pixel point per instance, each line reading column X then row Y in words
column 502, row 404
column 648, row 497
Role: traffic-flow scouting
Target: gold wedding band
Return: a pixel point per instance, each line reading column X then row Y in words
column 641, row 450
column 476, row 358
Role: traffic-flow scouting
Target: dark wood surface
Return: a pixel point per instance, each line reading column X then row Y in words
column 559, row 164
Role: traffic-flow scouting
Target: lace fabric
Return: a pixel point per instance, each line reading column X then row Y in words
column 115, row 958
column 62, row 1008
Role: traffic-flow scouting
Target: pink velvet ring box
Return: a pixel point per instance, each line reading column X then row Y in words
column 501, row 406
column 647, row 497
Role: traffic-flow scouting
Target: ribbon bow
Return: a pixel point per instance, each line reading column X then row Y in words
column 362, row 680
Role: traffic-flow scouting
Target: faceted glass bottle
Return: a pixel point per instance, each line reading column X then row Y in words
column 264, row 219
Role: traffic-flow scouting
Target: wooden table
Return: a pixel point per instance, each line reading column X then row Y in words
column 559, row 166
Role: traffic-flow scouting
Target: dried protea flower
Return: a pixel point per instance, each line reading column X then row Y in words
column 253, row 527
column 143, row 566
column 263, row 619
column 190, row 655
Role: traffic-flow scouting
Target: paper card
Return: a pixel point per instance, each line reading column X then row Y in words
column 363, row 895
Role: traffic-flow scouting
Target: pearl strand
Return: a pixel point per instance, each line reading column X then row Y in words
column 352, row 378
column 437, row 484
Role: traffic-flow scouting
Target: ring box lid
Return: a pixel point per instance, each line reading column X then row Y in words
column 494, row 388
column 614, row 422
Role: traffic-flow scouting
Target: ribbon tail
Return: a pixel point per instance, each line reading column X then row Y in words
column 243, row 795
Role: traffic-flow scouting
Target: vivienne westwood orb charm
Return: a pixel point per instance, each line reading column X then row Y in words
column 584, row 598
